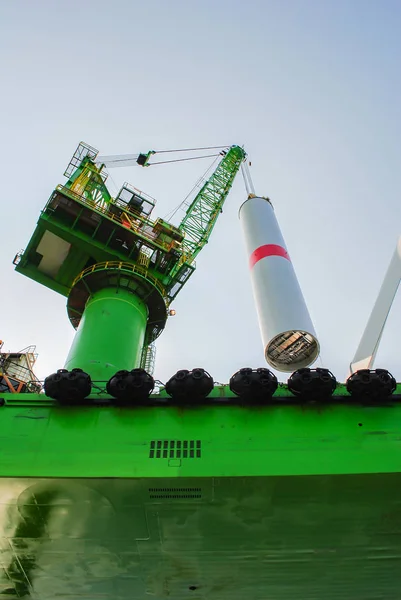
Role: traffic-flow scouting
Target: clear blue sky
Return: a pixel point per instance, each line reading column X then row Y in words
column 311, row 88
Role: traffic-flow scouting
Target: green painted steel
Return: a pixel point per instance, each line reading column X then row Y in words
column 100, row 228
column 210, row 502
column 213, row 502
column 206, row 207
column 235, row 441
column 312, row 538
column 90, row 182
column 219, row 538
column 110, row 335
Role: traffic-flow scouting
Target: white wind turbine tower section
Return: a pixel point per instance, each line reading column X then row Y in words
column 369, row 344
column 288, row 335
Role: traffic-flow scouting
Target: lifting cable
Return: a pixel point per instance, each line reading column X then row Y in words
column 191, row 149
column 163, row 162
column 247, row 178
column 119, row 160
column 184, row 202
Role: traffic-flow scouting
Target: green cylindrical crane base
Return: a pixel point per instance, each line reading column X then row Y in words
column 111, row 333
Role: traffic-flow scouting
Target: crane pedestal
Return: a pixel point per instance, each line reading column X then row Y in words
column 110, row 335
column 117, row 311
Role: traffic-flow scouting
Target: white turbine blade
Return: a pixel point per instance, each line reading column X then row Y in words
column 368, row 346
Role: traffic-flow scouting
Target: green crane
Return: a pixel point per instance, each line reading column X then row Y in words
column 119, row 269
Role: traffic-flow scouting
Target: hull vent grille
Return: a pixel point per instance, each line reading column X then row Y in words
column 175, row 449
column 175, row 493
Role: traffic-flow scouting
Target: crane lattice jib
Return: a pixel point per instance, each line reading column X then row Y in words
column 203, row 212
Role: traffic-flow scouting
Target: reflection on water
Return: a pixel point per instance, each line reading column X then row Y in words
column 58, row 536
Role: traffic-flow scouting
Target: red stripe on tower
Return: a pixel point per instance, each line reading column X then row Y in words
column 267, row 250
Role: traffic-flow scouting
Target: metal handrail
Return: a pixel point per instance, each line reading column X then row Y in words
column 102, row 210
column 122, row 265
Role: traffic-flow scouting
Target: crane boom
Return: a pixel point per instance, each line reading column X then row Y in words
column 204, row 210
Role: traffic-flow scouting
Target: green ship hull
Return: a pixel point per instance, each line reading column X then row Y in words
column 210, row 502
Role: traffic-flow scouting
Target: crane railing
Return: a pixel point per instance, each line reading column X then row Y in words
column 141, row 226
column 122, row 266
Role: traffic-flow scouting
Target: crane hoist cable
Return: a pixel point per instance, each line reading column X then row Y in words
column 183, row 203
column 164, row 162
column 125, row 160
column 247, row 178
column 192, row 149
